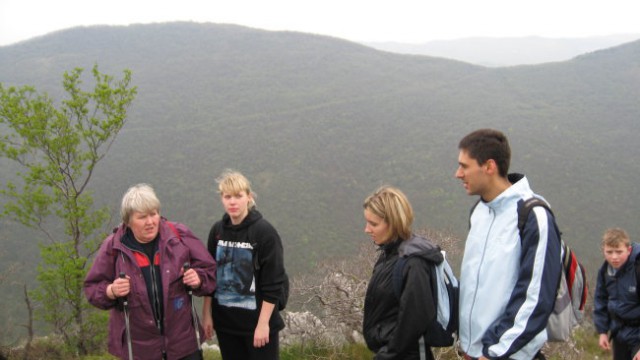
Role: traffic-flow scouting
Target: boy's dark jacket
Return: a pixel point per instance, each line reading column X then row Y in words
column 616, row 303
column 392, row 327
column 268, row 281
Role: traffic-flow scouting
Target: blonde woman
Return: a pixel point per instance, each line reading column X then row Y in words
column 243, row 311
column 393, row 324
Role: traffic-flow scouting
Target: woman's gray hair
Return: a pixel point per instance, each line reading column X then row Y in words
column 139, row 198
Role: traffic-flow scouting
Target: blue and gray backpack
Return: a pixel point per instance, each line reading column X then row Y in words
column 445, row 288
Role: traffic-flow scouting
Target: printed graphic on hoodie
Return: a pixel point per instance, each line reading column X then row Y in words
column 236, row 283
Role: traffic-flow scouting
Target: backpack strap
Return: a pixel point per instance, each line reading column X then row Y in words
column 525, row 208
column 398, row 271
column 173, row 228
column 217, row 230
column 472, row 209
column 570, row 262
column 567, row 256
column 578, row 267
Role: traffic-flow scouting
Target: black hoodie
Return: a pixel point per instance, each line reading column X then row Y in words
column 392, row 326
column 237, row 301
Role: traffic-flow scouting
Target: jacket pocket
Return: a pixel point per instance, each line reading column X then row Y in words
column 383, row 333
column 179, row 315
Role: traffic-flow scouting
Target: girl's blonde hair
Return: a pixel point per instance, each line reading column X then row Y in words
column 232, row 182
column 391, row 205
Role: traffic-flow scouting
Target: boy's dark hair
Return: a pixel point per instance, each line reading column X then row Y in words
column 485, row 144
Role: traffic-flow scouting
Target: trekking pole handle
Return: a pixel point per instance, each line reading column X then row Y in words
column 186, row 266
column 122, row 275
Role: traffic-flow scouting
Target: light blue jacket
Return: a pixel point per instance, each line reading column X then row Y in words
column 508, row 284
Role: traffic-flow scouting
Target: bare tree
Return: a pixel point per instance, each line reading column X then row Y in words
column 336, row 292
column 5, row 276
column 29, row 324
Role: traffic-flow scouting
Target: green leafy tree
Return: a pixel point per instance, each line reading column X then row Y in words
column 57, row 149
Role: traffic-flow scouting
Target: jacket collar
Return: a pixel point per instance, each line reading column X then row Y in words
column 422, row 247
column 252, row 217
column 519, row 189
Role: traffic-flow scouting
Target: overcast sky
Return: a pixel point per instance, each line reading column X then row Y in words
column 411, row 21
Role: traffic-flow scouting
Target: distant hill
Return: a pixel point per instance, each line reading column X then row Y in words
column 318, row 123
column 496, row 52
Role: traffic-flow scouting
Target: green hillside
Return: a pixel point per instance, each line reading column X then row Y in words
column 318, row 123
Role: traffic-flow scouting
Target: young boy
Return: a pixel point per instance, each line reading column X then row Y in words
column 616, row 311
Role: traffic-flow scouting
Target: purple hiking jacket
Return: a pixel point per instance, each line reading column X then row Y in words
column 179, row 338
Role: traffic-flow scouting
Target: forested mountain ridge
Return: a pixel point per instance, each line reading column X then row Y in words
column 318, row 123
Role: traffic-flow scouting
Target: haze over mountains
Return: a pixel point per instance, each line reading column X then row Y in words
column 496, row 52
column 318, row 123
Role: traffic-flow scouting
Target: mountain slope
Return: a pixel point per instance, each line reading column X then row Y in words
column 317, row 123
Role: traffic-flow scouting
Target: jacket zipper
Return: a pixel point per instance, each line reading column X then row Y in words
column 154, row 287
column 475, row 292
column 155, row 307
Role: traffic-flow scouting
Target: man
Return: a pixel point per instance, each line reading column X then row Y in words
column 507, row 284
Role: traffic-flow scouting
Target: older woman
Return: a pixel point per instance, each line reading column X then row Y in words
column 393, row 324
column 154, row 265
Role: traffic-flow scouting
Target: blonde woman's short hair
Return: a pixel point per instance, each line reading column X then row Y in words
column 614, row 237
column 139, row 198
column 232, row 182
column 392, row 205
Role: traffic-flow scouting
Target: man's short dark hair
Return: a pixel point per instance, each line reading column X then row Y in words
column 485, row 144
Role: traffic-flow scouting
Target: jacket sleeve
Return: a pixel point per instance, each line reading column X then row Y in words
column 201, row 261
column 101, row 275
column 533, row 297
column 417, row 309
column 271, row 260
column 601, row 317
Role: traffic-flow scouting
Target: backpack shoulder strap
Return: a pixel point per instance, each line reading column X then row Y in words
column 525, row 208
column 173, row 228
column 217, row 230
column 475, row 205
column 397, row 277
column 110, row 241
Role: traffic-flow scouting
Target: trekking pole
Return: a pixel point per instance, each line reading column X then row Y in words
column 194, row 314
column 125, row 306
